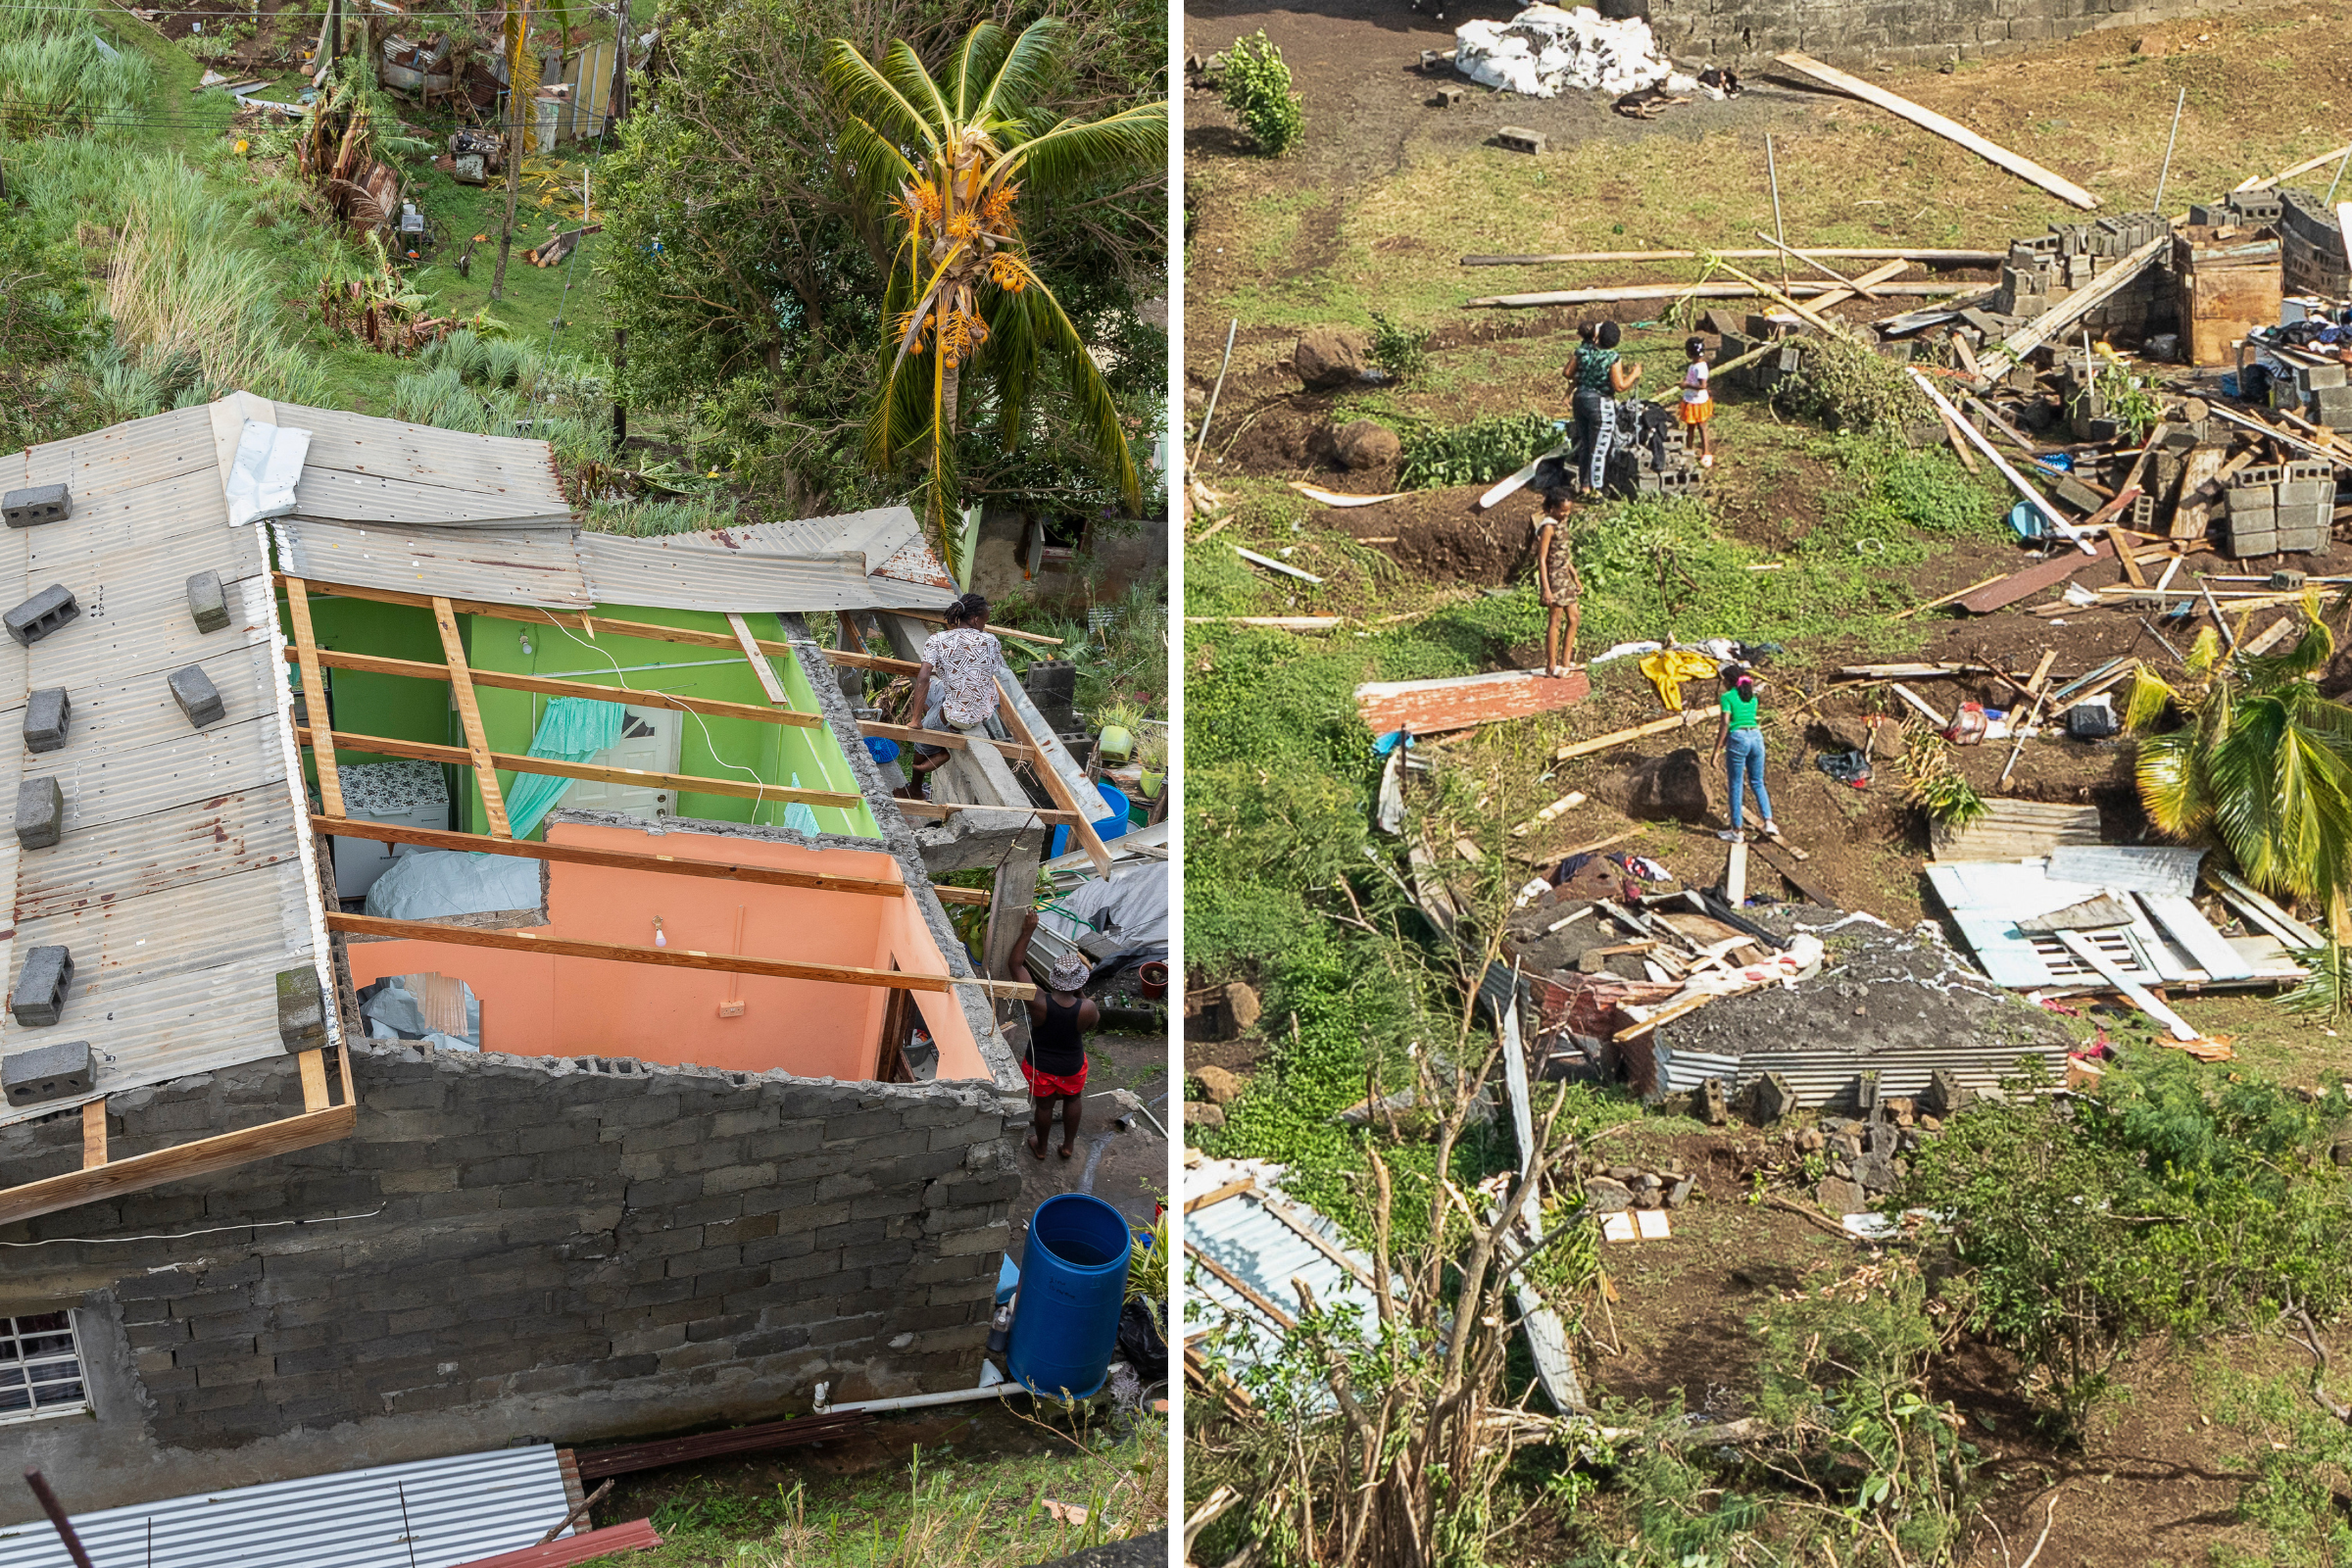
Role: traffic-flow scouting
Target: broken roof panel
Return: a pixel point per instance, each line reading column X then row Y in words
column 2017, row 830
column 118, row 458
column 2167, row 940
column 381, row 498
column 692, row 571
column 2127, row 867
column 527, row 567
column 1262, row 1239
column 521, row 473
column 429, row 1513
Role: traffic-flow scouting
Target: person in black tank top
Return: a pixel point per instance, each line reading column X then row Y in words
column 1054, row 1063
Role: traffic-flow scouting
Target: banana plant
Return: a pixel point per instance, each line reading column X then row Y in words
column 953, row 160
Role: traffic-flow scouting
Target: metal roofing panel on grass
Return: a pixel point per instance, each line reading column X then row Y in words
column 1244, row 1237
column 525, row 567
column 432, row 1513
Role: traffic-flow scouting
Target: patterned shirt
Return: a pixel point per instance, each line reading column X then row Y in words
column 1559, row 563
column 1593, row 368
column 965, row 661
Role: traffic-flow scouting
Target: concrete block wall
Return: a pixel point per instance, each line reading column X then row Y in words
column 1862, row 32
column 570, row 1249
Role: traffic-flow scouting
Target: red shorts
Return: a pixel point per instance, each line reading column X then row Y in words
column 1047, row 1085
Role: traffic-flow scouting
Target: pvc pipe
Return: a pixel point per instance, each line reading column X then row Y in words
column 997, row 1388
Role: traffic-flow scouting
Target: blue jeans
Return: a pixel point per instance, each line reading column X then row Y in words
column 1743, row 760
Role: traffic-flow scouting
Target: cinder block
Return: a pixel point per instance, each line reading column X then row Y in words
column 2260, row 476
column 300, row 1010
column 37, row 618
column 48, row 1072
column 2304, row 494
column 2248, row 545
column 2242, row 500
column 197, row 696
column 207, row 601
column 38, row 504
column 47, row 712
column 40, row 814
column 39, row 999
column 2331, row 405
column 2303, row 541
column 1519, row 139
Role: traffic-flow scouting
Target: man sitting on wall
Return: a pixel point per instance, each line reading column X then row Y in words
column 957, row 687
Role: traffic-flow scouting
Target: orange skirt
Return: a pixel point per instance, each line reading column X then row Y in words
column 1698, row 413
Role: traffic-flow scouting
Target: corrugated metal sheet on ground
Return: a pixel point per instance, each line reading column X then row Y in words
column 381, row 498
column 118, row 458
column 2128, row 867
column 2194, row 935
column 520, row 470
column 432, row 1513
column 1243, row 1237
column 690, row 571
column 530, row 566
column 1431, row 706
column 1823, row 1077
column 2018, row 830
column 1986, row 899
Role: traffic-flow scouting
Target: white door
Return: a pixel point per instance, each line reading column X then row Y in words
column 649, row 743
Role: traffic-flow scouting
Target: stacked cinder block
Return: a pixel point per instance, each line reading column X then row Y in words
column 2311, row 249
column 2280, row 509
column 2042, row 270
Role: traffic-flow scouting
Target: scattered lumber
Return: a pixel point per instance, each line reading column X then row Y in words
column 2017, row 481
column 1940, row 603
column 597, row 1463
column 2105, row 967
column 1659, row 726
column 1951, row 130
column 1277, row 622
column 1921, row 704
column 1271, row 564
column 1701, row 291
column 1566, row 802
column 562, row 245
column 1337, row 498
column 2075, row 307
column 1834, row 253
column 1435, row 706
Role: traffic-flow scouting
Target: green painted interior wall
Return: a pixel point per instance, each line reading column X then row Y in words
column 418, row 710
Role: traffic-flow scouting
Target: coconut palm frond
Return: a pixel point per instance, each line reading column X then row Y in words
column 1024, row 75
column 2204, row 653
column 869, row 95
column 1097, row 409
column 1073, row 152
column 976, row 62
column 2151, row 695
column 879, row 163
column 1013, row 359
column 904, row 70
column 2171, row 787
column 2326, row 992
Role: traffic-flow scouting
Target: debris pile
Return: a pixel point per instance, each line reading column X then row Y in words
column 1545, row 51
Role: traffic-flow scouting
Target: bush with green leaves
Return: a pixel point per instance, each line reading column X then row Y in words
column 1477, row 453
column 1848, row 386
column 1402, row 350
column 1256, row 87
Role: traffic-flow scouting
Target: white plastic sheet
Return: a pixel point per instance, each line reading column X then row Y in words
column 269, row 464
column 1545, row 51
column 426, row 884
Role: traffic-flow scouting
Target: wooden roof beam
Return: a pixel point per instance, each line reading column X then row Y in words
column 612, row 859
column 678, row 783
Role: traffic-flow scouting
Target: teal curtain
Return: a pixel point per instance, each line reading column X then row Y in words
column 573, row 730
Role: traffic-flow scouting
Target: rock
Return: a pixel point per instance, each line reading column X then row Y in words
column 1221, row 1086
column 1874, row 1170
column 1669, row 788
column 1328, row 356
column 1930, row 1124
column 1650, row 1197
column 1811, row 1141
column 1604, row 1195
column 1709, row 1103
column 1648, row 1182
column 1901, row 1110
column 1365, row 444
column 1199, row 1116
column 1243, row 1007
column 1840, row 1197
column 1680, row 1193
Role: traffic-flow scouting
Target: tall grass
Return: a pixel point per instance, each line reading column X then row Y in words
column 499, row 386
column 62, row 82
column 186, row 289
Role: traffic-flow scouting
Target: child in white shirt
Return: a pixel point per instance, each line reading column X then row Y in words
column 1699, row 407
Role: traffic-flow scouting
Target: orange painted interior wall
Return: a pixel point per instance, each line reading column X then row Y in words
column 537, row 1005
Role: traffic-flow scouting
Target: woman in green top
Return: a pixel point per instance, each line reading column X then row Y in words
column 1600, row 378
column 1740, row 744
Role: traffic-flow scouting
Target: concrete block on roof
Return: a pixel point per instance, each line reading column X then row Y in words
column 37, row 504
column 37, row 618
column 40, row 814
column 197, row 696
column 39, row 999
column 48, row 1072
column 207, row 601
column 47, row 712
column 300, row 1010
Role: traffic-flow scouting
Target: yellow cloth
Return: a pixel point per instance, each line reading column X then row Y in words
column 1669, row 668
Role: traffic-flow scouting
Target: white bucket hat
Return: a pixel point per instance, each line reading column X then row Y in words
column 1070, row 972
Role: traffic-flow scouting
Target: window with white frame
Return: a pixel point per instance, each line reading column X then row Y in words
column 41, row 1368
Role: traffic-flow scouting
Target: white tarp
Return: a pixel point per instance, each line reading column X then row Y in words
column 427, row 884
column 267, row 467
column 1545, row 51
column 1130, row 906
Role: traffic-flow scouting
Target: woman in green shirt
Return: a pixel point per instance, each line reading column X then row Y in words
column 1740, row 744
column 1601, row 377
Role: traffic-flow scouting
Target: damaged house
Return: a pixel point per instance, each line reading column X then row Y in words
column 468, row 977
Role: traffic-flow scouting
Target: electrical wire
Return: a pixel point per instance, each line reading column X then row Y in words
column 248, row 1225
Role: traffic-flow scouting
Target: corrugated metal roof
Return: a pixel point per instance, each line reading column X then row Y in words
column 1821, row 1077
column 2128, row 867
column 1429, row 707
column 527, row 567
column 522, row 472
column 165, row 984
column 432, row 1513
column 380, row 498
column 693, row 571
column 2017, row 830
column 1256, row 1238
column 1988, row 898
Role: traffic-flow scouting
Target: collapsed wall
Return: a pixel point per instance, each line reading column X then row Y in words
column 566, row 1248
column 1929, row 33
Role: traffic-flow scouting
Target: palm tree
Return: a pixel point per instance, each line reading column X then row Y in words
column 955, row 160
column 2265, row 763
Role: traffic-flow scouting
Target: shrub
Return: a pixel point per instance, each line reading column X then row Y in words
column 1398, row 350
column 1257, row 89
column 1478, row 453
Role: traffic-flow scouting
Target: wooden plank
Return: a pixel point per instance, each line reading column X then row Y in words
column 1081, row 827
column 94, row 1135
column 1229, row 1189
column 1951, row 130
column 948, row 740
column 1734, row 876
column 2041, row 671
column 2285, row 926
column 679, row 783
column 469, row 718
column 1436, row 707
column 2017, row 481
column 761, row 668
column 1784, row 299
column 940, row 811
column 960, row 895
column 1644, row 1021
column 1658, row 726
column 182, row 1163
column 2088, row 951
column 2019, row 584
column 313, row 1065
column 935, row 619
column 2257, row 182
column 1710, row 290
column 1851, row 285
column 314, row 687
column 549, row 686
column 2059, row 319
column 1957, row 593
column 1836, row 252
column 366, row 925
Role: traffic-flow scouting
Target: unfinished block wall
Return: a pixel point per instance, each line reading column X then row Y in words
column 570, row 1249
column 1846, row 32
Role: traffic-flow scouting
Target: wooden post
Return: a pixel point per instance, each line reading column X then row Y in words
column 620, row 363
column 469, row 715
column 1013, row 897
column 506, row 232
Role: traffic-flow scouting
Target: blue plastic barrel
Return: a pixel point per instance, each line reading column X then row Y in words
column 1065, row 1322
column 882, row 750
column 1111, row 825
